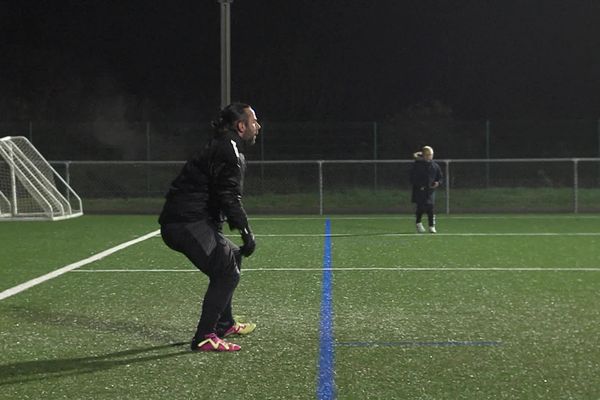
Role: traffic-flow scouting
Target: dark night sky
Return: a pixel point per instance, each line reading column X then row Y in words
column 300, row 60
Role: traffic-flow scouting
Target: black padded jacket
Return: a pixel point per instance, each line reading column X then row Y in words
column 210, row 186
column 422, row 176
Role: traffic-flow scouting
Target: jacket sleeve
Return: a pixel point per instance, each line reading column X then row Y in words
column 228, row 176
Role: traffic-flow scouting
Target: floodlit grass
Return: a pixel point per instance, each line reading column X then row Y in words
column 415, row 316
column 31, row 248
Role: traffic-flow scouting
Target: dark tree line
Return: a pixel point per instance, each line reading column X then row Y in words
column 303, row 60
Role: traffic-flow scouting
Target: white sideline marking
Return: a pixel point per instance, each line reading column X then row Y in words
column 412, row 217
column 542, row 269
column 426, row 269
column 136, row 270
column 433, row 235
column 36, row 281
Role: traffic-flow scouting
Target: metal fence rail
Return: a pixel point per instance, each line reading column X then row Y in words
column 289, row 140
column 350, row 186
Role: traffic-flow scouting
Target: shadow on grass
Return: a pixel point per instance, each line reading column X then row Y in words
column 28, row 371
column 68, row 320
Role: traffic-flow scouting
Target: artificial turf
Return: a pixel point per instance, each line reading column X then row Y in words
column 494, row 307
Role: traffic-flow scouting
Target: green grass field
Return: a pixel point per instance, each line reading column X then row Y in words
column 492, row 307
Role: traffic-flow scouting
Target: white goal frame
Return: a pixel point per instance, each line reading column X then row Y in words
column 33, row 180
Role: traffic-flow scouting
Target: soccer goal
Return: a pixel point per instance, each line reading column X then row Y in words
column 30, row 189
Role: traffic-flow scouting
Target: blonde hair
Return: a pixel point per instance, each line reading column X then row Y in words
column 427, row 149
column 424, row 150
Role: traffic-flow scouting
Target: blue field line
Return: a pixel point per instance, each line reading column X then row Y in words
column 326, row 374
column 408, row 343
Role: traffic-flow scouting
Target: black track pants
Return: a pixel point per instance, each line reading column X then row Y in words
column 215, row 255
column 424, row 208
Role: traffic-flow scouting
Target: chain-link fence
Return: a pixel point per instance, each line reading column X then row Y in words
column 354, row 186
column 166, row 141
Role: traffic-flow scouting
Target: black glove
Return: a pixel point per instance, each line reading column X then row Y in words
column 249, row 243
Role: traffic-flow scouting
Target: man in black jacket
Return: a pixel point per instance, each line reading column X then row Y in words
column 425, row 177
column 207, row 192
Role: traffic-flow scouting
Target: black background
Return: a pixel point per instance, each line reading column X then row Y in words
column 301, row 60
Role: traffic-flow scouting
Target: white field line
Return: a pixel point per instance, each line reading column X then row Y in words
column 412, row 217
column 433, row 235
column 72, row 267
column 317, row 270
column 36, row 281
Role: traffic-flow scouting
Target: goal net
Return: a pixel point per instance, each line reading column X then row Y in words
column 29, row 187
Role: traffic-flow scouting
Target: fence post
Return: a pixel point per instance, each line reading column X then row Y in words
column 68, row 178
column 598, row 129
column 147, row 166
column 447, row 186
column 262, row 158
column 575, row 186
column 13, row 181
column 375, row 154
column 320, row 164
column 68, row 172
column 147, row 141
column 487, row 153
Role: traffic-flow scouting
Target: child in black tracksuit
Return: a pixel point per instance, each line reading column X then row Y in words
column 425, row 177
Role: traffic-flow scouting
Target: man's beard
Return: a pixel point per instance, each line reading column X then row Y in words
column 251, row 141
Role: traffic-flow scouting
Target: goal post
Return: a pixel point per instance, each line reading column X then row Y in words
column 30, row 189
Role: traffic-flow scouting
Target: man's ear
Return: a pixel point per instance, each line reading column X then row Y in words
column 241, row 126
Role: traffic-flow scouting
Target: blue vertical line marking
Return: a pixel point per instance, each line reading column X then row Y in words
column 326, row 383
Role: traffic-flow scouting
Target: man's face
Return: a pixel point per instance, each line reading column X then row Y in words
column 428, row 155
column 248, row 129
